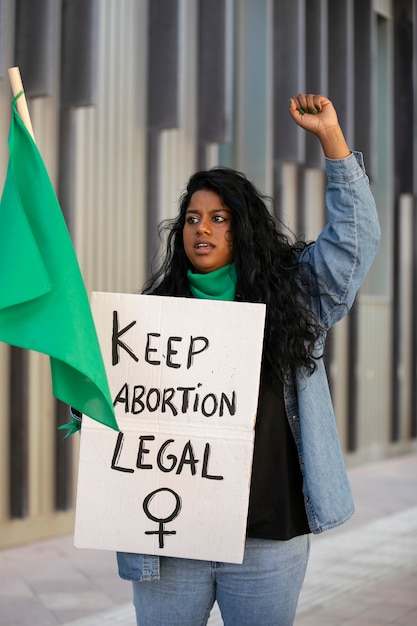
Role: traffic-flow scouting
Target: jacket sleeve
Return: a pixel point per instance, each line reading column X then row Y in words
column 345, row 249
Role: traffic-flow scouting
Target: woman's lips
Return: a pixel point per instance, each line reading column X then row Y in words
column 203, row 247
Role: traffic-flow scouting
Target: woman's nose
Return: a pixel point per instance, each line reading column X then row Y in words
column 203, row 226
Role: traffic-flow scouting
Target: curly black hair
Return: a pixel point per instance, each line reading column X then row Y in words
column 267, row 265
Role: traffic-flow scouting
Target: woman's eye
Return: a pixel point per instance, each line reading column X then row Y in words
column 192, row 219
column 219, row 218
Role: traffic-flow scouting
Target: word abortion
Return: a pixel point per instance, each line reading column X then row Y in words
column 137, row 399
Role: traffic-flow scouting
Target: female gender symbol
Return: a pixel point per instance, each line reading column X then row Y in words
column 161, row 520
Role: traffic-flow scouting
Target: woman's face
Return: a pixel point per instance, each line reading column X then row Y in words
column 207, row 232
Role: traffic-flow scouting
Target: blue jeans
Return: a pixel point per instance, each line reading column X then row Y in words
column 262, row 591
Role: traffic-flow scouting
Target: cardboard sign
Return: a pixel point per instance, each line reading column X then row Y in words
column 184, row 379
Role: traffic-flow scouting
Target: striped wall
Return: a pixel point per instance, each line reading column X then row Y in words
column 127, row 99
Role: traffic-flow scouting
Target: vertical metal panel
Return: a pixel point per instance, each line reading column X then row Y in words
column 414, row 26
column 19, row 434
column 253, row 143
column 175, row 170
column 79, row 70
column 3, row 40
column 45, row 120
column 400, row 425
column 153, row 198
column 289, row 75
column 79, row 61
column 374, row 372
column 379, row 279
column 7, row 42
column 396, row 324
column 401, row 328
column 413, row 417
column 163, row 102
column 352, row 368
column 299, row 223
column 35, row 38
column 110, row 161
column 95, row 159
column 403, row 183
column 41, row 438
column 163, row 68
column 6, row 54
column 63, row 458
column 341, row 63
column 314, row 217
column 316, row 46
column 403, row 96
column 79, row 52
column 316, row 66
column 178, row 147
column 289, row 196
column 214, row 71
column 365, row 93
column 4, row 431
column 174, row 151
column 66, row 165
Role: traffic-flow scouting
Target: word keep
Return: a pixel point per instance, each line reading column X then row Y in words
column 153, row 354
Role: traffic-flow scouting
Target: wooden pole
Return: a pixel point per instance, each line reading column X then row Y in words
column 22, row 107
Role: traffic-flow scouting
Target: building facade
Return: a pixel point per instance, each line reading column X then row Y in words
column 127, row 99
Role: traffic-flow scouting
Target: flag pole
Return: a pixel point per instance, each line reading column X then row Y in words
column 22, row 107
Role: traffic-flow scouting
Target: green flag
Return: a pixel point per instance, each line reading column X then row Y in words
column 43, row 301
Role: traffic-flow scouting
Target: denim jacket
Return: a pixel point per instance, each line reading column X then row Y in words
column 341, row 257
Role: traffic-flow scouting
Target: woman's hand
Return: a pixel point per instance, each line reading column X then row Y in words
column 317, row 114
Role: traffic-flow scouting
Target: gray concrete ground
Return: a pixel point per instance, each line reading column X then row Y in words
column 361, row 574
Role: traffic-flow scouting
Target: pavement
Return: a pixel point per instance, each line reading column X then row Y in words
column 363, row 573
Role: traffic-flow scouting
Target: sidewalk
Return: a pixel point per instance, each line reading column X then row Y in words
column 361, row 574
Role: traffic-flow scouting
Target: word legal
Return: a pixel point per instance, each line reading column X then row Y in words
column 164, row 462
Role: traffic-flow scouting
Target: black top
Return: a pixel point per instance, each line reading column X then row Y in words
column 276, row 501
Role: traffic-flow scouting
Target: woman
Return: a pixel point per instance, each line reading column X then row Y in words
column 224, row 244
